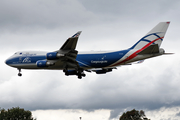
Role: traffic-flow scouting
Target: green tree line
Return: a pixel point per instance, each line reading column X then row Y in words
column 15, row 114
column 134, row 115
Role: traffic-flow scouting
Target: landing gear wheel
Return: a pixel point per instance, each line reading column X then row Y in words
column 80, row 73
column 19, row 74
column 84, row 75
column 65, row 70
column 66, row 73
column 79, row 76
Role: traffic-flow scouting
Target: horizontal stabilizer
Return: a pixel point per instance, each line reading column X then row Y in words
column 168, row 53
column 152, row 49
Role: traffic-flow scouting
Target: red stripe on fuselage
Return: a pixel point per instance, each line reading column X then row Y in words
column 135, row 53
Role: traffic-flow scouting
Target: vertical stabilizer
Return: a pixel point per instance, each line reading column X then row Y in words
column 155, row 36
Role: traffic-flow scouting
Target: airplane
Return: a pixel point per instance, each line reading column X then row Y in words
column 72, row 62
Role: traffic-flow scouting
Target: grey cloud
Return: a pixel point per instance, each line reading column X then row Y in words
column 118, row 91
column 115, row 113
column 127, row 9
column 55, row 91
column 42, row 14
column 178, row 114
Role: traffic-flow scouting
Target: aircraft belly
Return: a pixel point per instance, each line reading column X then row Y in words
column 25, row 66
column 34, row 66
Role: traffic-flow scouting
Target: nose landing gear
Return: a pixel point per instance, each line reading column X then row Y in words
column 19, row 74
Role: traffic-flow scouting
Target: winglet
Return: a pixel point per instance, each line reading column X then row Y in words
column 77, row 34
column 71, row 42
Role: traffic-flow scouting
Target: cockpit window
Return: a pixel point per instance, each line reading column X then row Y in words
column 20, row 53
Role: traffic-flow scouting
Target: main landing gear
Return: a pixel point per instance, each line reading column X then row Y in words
column 19, row 74
column 78, row 72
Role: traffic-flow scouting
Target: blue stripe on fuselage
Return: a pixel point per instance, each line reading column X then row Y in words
column 100, row 60
column 25, row 59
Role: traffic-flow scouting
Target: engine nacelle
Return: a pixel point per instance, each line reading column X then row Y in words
column 103, row 71
column 161, row 51
column 54, row 55
column 43, row 63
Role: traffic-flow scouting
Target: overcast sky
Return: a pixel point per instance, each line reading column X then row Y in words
column 44, row 25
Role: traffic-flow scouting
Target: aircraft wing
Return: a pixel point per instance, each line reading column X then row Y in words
column 68, row 52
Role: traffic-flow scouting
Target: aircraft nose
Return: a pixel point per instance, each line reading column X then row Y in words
column 7, row 62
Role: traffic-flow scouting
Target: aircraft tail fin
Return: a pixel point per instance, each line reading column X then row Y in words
column 155, row 36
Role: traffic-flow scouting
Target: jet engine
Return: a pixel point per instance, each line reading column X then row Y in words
column 43, row 63
column 54, row 55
